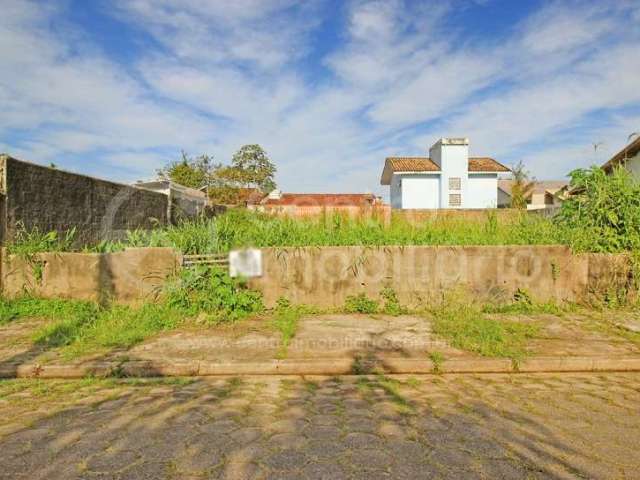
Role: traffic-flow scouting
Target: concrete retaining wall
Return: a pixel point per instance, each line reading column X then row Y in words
column 133, row 276
column 50, row 199
column 326, row 276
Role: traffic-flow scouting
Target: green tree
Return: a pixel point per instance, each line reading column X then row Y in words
column 521, row 187
column 251, row 167
column 190, row 172
column 224, row 187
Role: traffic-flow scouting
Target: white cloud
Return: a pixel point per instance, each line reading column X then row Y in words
column 401, row 74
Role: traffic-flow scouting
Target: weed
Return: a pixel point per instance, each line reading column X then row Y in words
column 360, row 304
column 462, row 322
column 285, row 320
column 28, row 243
column 413, row 382
column 436, row 358
column 391, row 302
column 310, row 386
column 523, row 304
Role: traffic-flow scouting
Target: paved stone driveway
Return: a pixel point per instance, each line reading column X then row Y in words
column 457, row 427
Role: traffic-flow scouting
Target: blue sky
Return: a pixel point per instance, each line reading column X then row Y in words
column 329, row 88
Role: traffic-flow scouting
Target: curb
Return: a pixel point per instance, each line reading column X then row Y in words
column 339, row 366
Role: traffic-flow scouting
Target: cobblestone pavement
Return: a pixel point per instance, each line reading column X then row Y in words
column 458, row 427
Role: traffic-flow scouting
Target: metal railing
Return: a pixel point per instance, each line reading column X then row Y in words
column 214, row 259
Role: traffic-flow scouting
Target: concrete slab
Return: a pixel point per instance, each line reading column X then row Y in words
column 325, row 345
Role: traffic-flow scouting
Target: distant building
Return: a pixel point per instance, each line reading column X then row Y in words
column 628, row 157
column 314, row 204
column 242, row 196
column 544, row 194
column 448, row 178
column 279, row 199
column 184, row 202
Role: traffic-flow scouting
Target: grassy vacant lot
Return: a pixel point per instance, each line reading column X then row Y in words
column 242, row 228
column 76, row 328
column 603, row 217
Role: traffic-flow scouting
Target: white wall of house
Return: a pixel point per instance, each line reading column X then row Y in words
column 482, row 190
column 419, row 190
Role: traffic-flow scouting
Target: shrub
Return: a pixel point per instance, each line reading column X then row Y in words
column 360, row 304
column 212, row 292
column 603, row 214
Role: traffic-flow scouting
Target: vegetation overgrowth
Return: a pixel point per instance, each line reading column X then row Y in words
column 601, row 215
column 203, row 295
column 240, row 228
column 464, row 324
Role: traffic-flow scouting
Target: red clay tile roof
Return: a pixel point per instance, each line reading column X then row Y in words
column 425, row 164
column 486, row 164
column 413, row 164
column 322, row 199
column 627, row 152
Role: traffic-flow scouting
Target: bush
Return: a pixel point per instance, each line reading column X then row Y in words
column 360, row 304
column 603, row 214
column 212, row 292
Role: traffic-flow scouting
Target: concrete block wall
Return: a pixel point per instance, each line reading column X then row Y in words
column 51, row 199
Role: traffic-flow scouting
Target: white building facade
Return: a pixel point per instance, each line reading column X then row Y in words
column 448, row 178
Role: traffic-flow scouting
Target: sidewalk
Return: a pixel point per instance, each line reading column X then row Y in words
column 326, row 345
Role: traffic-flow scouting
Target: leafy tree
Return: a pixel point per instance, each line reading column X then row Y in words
column 251, row 167
column 224, row 188
column 521, row 187
column 602, row 213
column 190, row 172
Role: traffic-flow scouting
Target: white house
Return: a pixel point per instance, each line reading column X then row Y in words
column 448, row 178
column 628, row 157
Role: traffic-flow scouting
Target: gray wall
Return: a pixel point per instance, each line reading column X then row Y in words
column 51, row 199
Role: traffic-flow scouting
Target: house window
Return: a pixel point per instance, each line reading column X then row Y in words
column 455, row 199
column 454, row 183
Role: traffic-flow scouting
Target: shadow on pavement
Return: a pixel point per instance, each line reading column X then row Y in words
column 276, row 427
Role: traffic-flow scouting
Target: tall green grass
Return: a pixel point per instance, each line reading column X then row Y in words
column 242, row 228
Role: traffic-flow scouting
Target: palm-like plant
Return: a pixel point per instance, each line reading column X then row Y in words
column 521, row 187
